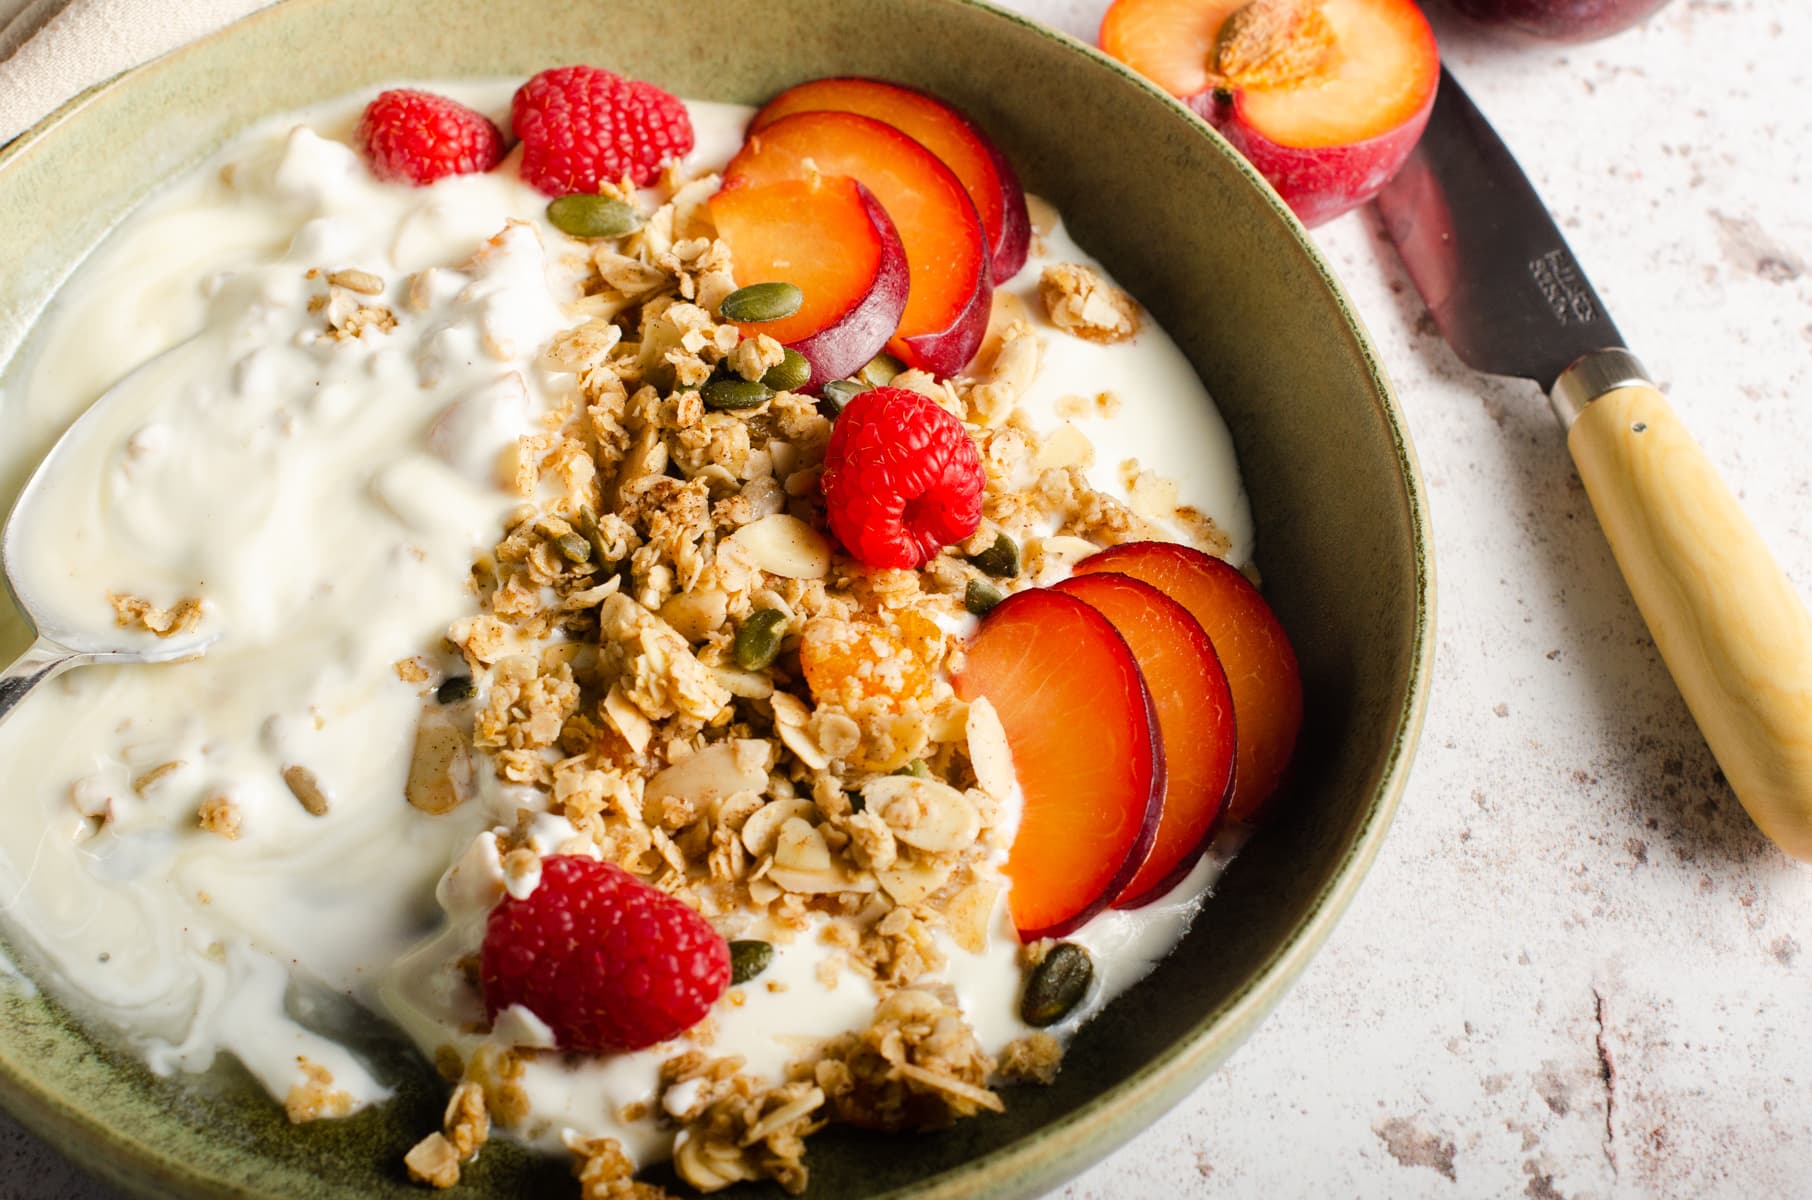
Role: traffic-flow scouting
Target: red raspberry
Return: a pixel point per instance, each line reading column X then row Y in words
column 901, row 478
column 421, row 137
column 582, row 126
column 607, row 961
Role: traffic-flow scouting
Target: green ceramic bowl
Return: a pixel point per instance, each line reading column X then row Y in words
column 1172, row 211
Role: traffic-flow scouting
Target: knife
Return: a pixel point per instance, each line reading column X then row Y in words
column 1512, row 300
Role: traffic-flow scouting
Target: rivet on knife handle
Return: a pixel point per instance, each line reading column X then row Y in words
column 1728, row 622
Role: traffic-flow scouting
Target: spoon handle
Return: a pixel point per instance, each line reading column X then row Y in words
column 42, row 659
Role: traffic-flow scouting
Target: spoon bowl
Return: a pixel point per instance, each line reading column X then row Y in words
column 63, row 640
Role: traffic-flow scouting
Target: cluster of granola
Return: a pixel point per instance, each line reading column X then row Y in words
column 136, row 612
column 823, row 770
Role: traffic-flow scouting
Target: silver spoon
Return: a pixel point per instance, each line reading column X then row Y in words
column 63, row 642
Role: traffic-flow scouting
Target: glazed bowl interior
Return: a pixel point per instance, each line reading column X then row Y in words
column 1172, row 212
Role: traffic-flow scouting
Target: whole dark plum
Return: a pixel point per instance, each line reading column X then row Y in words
column 1560, row 20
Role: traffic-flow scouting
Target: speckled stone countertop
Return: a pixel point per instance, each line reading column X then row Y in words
column 1576, row 969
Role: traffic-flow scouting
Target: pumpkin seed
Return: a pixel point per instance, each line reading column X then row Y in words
column 789, row 374
column 733, row 394
column 880, row 370
column 574, row 547
column 980, row 597
column 916, row 768
column 761, row 302
column 839, row 392
column 1057, row 984
column 749, row 959
column 758, row 641
column 588, row 216
column 1000, row 560
column 456, row 689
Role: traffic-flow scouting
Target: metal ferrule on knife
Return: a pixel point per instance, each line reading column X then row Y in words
column 1591, row 376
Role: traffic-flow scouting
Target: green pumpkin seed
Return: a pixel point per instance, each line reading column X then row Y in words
column 980, row 597
column 456, row 689
column 789, row 374
column 758, row 641
column 749, row 959
column 729, row 395
column 574, row 547
column 1057, row 985
column 916, row 768
column 1000, row 560
column 762, row 302
column 880, row 370
column 839, row 392
column 587, row 216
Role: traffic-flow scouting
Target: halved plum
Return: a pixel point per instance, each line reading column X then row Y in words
column 1253, row 648
column 1195, row 720
column 832, row 238
column 949, row 297
column 1325, row 97
column 1087, row 749
column 984, row 171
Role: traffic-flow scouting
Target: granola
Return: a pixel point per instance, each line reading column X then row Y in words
column 136, row 612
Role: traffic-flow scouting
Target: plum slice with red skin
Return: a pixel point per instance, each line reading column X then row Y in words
column 831, row 238
column 1253, row 648
column 978, row 163
column 948, row 300
column 1195, row 720
column 1086, row 747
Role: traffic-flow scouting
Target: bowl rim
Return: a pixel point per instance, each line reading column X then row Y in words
column 1106, row 1121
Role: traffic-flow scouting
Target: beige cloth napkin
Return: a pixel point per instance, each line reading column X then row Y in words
column 52, row 49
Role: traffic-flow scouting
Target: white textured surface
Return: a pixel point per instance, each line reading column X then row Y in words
column 1576, row 970
column 52, row 49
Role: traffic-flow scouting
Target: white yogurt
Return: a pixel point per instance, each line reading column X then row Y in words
column 325, row 499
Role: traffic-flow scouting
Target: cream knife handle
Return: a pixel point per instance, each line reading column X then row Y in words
column 1728, row 622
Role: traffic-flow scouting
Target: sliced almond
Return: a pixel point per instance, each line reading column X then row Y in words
column 969, row 913
column 924, row 813
column 910, row 881
column 705, row 779
column 622, row 713
column 1008, row 310
column 762, row 830
column 790, row 709
column 836, row 734
column 950, row 723
column 821, row 882
column 989, row 752
column 1016, row 364
column 800, row 847
column 1066, row 549
column 750, row 685
column 786, row 546
column 696, row 615
column 800, row 743
column 440, row 772
column 1067, row 446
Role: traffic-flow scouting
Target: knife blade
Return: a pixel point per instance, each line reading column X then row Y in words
column 1511, row 299
column 1496, row 273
